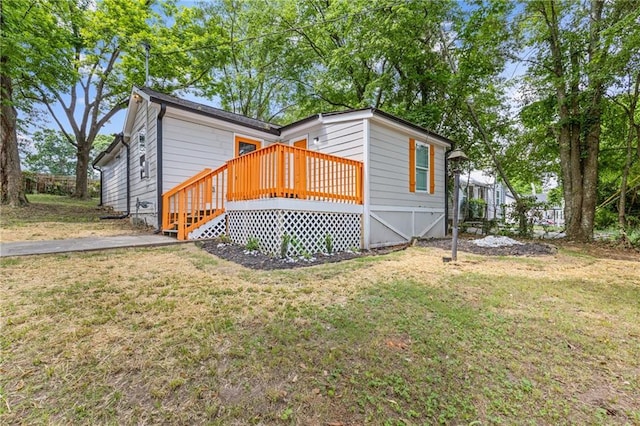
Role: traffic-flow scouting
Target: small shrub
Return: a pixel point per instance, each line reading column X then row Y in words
column 633, row 236
column 328, row 243
column 224, row 238
column 477, row 207
column 296, row 246
column 253, row 244
column 605, row 219
column 284, row 245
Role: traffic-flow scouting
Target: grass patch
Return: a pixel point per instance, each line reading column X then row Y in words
column 51, row 217
column 172, row 335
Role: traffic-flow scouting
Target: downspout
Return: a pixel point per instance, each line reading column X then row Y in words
column 126, row 145
column 163, row 110
column 446, row 189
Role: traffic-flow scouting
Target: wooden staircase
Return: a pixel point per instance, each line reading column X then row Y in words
column 194, row 202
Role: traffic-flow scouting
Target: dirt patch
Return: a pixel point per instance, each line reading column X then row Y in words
column 603, row 250
column 467, row 245
column 257, row 260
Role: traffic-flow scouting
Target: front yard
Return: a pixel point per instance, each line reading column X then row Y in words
column 52, row 217
column 176, row 335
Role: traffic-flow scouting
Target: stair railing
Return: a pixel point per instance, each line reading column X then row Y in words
column 194, row 202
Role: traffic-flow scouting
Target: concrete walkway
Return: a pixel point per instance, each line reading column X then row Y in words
column 27, row 248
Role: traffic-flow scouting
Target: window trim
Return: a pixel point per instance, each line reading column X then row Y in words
column 239, row 138
column 143, row 160
column 427, row 169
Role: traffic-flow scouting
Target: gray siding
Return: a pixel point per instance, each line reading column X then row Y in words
column 389, row 170
column 114, row 182
column 344, row 139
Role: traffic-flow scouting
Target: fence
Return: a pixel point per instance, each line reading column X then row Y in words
column 36, row 183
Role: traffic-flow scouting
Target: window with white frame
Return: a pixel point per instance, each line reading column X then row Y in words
column 142, row 151
column 422, row 166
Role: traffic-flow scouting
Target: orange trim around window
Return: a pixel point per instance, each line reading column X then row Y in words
column 239, row 139
column 412, row 165
column 432, row 169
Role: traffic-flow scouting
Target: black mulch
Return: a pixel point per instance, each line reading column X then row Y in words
column 464, row 244
column 257, row 260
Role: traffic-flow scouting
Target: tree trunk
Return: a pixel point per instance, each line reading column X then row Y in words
column 579, row 120
column 82, row 169
column 622, row 201
column 10, row 174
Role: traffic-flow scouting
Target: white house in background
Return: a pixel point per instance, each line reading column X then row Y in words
column 483, row 196
column 361, row 178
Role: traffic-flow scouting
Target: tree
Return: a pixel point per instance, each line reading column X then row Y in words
column 107, row 57
column 29, row 40
column 51, row 153
column 580, row 47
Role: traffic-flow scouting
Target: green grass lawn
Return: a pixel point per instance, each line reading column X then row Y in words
column 174, row 335
column 53, row 217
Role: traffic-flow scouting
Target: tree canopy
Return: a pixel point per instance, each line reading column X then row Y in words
column 528, row 89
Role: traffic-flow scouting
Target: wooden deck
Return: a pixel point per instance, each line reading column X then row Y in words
column 277, row 171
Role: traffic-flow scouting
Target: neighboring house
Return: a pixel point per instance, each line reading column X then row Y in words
column 552, row 214
column 483, row 197
column 359, row 178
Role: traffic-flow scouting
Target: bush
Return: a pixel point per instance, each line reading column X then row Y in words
column 633, row 236
column 284, row 246
column 605, row 219
column 253, row 244
column 526, row 212
column 477, row 207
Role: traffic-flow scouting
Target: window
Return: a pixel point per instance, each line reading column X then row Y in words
column 142, row 151
column 422, row 166
column 246, row 145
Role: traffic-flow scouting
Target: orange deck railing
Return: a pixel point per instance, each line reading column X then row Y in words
column 287, row 171
column 194, row 202
column 275, row 171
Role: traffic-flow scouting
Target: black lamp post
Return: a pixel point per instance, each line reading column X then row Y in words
column 456, row 158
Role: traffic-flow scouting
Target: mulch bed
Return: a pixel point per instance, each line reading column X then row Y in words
column 256, row 260
column 466, row 245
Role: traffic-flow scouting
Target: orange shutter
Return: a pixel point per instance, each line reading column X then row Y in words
column 432, row 169
column 412, row 165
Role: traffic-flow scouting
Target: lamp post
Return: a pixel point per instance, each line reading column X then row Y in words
column 456, row 157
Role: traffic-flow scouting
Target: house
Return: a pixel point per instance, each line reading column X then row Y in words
column 359, row 178
column 483, row 196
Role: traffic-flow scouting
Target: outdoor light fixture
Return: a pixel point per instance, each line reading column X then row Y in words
column 316, row 141
column 456, row 158
column 137, row 98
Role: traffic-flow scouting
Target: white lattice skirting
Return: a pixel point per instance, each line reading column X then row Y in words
column 212, row 229
column 307, row 230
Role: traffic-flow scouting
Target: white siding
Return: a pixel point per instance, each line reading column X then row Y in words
column 389, row 170
column 188, row 148
column 191, row 146
column 114, row 181
column 144, row 189
column 344, row 139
